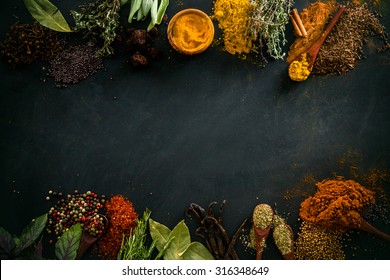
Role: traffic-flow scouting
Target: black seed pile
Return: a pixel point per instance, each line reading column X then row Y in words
column 74, row 64
column 344, row 46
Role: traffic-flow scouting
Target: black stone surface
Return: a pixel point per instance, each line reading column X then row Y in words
column 189, row 129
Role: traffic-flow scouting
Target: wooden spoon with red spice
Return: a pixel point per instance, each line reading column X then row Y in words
column 87, row 239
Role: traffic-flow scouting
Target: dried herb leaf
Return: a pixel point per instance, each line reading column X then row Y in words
column 160, row 233
column 196, row 251
column 47, row 15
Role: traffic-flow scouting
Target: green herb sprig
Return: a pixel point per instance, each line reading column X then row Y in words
column 99, row 18
column 268, row 23
column 134, row 246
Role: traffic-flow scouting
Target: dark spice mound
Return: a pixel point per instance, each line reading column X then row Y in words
column 344, row 46
column 25, row 43
column 74, row 64
column 140, row 46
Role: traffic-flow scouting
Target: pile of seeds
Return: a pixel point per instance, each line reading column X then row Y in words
column 344, row 46
column 318, row 243
column 25, row 43
column 76, row 208
column 74, row 64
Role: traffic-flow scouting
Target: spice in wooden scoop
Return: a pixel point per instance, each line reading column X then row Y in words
column 300, row 69
column 283, row 237
column 262, row 222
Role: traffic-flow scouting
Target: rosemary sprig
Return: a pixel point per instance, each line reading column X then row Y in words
column 134, row 246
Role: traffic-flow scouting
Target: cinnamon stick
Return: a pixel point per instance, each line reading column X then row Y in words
column 296, row 28
column 299, row 21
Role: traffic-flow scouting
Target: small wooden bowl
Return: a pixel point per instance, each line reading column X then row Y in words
column 199, row 24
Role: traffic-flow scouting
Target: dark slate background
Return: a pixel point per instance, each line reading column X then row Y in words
column 189, row 129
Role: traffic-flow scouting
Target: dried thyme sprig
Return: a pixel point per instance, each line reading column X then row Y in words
column 268, row 23
column 100, row 18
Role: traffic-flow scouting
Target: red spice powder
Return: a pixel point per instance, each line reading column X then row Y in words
column 122, row 218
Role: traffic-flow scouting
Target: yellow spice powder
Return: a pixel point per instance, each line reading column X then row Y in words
column 233, row 19
column 299, row 69
column 192, row 33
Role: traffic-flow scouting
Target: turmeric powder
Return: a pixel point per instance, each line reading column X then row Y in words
column 233, row 19
column 299, row 69
column 191, row 31
column 337, row 204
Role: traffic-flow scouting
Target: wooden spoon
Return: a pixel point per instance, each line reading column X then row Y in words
column 290, row 255
column 312, row 51
column 260, row 236
column 261, row 233
column 88, row 239
column 365, row 226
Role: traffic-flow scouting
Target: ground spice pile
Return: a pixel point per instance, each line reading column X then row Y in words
column 233, row 20
column 344, row 46
column 74, row 64
column 25, row 43
column 317, row 243
column 336, row 204
column 122, row 218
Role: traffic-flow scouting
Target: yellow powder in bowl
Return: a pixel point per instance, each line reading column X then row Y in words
column 190, row 31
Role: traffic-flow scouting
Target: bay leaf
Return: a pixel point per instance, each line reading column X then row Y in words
column 181, row 240
column 159, row 233
column 47, row 14
column 197, row 251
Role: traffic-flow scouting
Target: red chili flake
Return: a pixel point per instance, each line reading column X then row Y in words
column 122, row 218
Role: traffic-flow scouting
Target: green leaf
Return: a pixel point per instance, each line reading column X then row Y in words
column 161, row 10
column 31, row 232
column 66, row 247
column 47, row 15
column 140, row 15
column 123, row 2
column 153, row 15
column 179, row 243
column 7, row 244
column 135, row 5
column 146, row 6
column 197, row 251
column 159, row 233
